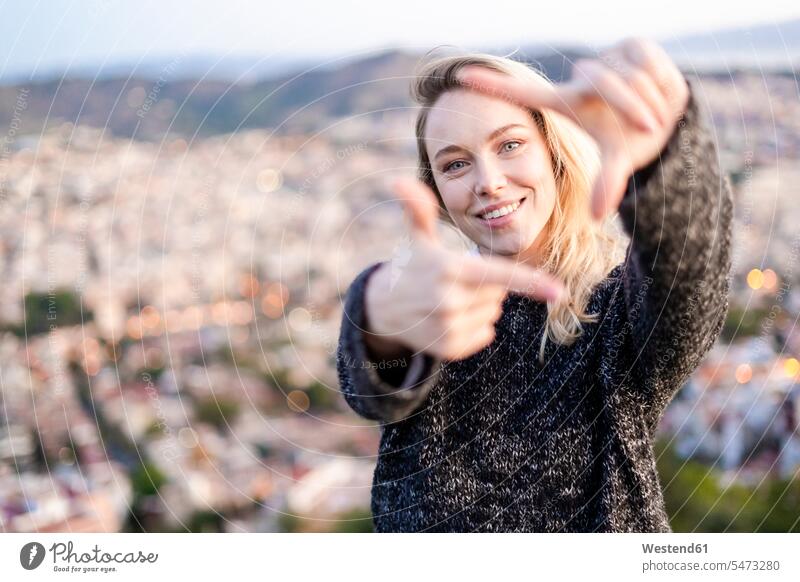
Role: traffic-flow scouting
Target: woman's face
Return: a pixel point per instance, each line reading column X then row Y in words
column 487, row 153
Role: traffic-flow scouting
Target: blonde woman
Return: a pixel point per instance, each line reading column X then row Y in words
column 521, row 389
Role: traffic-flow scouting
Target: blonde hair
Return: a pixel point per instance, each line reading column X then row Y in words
column 577, row 250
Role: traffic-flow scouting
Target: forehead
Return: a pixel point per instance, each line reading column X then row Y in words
column 466, row 117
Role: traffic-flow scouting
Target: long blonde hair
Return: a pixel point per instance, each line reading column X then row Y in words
column 577, row 250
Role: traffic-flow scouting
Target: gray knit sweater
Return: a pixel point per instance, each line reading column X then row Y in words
column 500, row 442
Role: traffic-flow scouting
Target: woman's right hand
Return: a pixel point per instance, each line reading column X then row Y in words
column 441, row 302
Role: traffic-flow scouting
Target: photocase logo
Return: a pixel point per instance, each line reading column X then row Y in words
column 31, row 555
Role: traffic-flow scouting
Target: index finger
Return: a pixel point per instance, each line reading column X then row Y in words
column 532, row 93
column 516, row 277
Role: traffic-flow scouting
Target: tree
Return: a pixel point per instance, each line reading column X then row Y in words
column 44, row 311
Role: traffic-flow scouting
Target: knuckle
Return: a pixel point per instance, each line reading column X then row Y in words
column 450, row 346
column 491, row 312
column 487, row 336
column 596, row 74
column 498, row 312
column 603, row 77
column 446, row 309
column 637, row 77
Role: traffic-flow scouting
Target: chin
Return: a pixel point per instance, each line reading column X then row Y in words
column 508, row 243
column 503, row 249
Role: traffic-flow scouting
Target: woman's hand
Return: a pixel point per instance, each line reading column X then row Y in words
column 629, row 102
column 441, row 302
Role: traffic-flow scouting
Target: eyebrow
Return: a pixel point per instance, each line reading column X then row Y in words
column 493, row 135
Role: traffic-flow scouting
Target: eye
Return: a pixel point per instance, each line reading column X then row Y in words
column 510, row 145
column 453, row 166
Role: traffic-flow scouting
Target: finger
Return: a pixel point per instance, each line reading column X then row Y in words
column 646, row 88
column 647, row 55
column 515, row 277
column 420, row 206
column 653, row 59
column 486, row 314
column 471, row 341
column 483, row 295
column 609, row 187
column 639, row 78
column 593, row 77
column 466, row 298
column 481, row 338
column 532, row 93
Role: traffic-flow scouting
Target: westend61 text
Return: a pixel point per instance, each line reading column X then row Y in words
column 673, row 549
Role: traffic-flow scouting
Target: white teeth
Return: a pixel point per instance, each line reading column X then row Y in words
column 501, row 211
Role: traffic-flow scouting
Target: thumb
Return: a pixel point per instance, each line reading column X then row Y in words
column 420, row 206
column 609, row 186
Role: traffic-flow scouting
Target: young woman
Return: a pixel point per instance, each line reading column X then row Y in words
column 520, row 389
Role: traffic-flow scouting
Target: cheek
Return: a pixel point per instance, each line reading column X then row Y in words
column 531, row 170
column 456, row 196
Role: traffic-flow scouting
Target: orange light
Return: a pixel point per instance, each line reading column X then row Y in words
column 249, row 286
column 134, row 327
column 298, row 401
column 744, row 373
column 272, row 306
column 280, row 290
column 791, row 367
column 220, row 313
column 90, row 346
column 92, row 365
column 770, row 280
column 755, row 279
column 192, row 317
column 150, row 317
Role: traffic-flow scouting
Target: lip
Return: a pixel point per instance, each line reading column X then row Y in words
column 503, row 220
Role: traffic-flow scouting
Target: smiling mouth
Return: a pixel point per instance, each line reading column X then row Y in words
column 501, row 212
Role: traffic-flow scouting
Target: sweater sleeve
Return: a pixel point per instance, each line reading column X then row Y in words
column 385, row 391
column 678, row 213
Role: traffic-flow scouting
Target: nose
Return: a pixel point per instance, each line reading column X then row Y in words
column 489, row 178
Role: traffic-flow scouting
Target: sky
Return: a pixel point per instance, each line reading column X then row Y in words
column 39, row 36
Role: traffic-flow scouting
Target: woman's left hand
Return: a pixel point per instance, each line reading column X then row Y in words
column 629, row 101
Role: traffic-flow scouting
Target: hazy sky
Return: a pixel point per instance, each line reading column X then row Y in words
column 43, row 35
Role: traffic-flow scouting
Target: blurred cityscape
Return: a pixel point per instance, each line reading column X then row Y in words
column 172, row 306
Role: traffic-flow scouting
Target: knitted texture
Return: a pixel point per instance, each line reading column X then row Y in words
column 500, row 442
